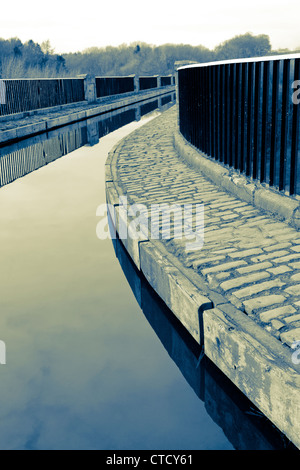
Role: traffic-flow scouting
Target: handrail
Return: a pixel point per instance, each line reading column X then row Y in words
column 295, row 55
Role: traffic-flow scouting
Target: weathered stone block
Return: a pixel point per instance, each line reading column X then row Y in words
column 262, row 301
column 246, row 357
column 289, row 337
column 180, row 295
column 240, row 281
column 276, row 312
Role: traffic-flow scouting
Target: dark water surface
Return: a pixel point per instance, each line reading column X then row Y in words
column 94, row 359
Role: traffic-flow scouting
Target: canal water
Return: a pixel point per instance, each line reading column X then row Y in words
column 94, row 359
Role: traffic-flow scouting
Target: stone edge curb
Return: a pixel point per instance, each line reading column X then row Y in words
column 258, row 364
column 283, row 207
column 73, row 115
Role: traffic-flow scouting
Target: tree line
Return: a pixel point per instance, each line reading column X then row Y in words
column 29, row 60
column 32, row 60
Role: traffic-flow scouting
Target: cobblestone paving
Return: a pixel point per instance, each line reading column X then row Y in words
column 248, row 256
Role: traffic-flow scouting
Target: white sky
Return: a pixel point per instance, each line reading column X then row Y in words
column 75, row 25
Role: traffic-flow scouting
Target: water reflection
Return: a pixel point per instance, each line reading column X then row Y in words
column 84, row 369
column 244, row 426
column 25, row 156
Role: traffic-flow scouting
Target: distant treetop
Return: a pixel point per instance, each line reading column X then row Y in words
column 18, row 60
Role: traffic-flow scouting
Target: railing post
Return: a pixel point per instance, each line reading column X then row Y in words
column 2, row 92
column 136, row 84
column 90, row 91
column 2, row 353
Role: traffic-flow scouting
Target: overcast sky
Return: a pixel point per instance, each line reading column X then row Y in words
column 75, row 25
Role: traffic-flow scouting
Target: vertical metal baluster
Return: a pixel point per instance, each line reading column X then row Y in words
column 212, row 111
column 217, row 113
column 243, row 117
column 257, row 121
column 222, row 109
column 264, row 125
column 232, row 156
column 237, row 125
column 204, row 148
column 249, row 163
column 226, row 96
column 274, row 134
column 284, row 125
column 208, row 113
column 295, row 145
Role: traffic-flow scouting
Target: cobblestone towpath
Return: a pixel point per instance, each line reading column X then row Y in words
column 247, row 256
column 238, row 291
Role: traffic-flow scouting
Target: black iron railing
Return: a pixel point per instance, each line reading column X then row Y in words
column 166, row 81
column 17, row 96
column 145, row 83
column 107, row 86
column 24, row 95
column 245, row 114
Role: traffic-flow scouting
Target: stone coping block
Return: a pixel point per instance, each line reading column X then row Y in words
column 252, row 360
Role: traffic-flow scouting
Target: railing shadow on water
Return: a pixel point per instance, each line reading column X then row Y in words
column 245, row 427
column 27, row 155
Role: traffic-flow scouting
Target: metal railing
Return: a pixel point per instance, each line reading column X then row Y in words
column 245, row 114
column 166, row 81
column 19, row 96
column 24, row 95
column 107, row 86
column 145, row 83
